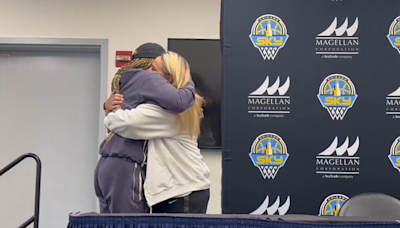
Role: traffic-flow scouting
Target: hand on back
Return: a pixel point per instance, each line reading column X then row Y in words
column 113, row 102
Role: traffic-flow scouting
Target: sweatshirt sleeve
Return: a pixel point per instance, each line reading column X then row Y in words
column 144, row 122
column 157, row 89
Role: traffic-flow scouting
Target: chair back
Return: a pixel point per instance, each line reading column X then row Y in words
column 375, row 205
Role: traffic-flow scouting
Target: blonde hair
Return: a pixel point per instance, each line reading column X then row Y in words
column 177, row 67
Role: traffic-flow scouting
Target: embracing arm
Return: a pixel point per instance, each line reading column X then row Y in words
column 144, row 122
column 157, row 89
column 113, row 103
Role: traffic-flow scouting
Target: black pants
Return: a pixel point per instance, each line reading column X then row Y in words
column 195, row 203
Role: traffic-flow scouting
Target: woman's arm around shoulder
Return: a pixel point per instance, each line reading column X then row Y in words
column 157, row 89
column 146, row 121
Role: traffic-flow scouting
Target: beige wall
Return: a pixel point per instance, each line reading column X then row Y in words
column 126, row 24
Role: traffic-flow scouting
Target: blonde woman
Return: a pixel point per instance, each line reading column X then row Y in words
column 177, row 179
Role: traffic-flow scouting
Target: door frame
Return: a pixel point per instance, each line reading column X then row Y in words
column 74, row 44
column 77, row 45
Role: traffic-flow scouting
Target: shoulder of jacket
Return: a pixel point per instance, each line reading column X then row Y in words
column 151, row 107
column 152, row 75
column 139, row 73
column 155, row 110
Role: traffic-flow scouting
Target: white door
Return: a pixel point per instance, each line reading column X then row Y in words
column 49, row 105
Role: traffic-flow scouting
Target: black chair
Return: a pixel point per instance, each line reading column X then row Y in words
column 375, row 205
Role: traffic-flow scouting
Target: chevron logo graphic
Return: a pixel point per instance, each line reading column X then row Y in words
column 271, row 90
column 338, row 41
column 340, row 31
column 352, row 150
column 332, row 162
column 270, row 100
column 264, row 208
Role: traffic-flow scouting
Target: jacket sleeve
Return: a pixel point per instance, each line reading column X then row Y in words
column 144, row 122
column 157, row 89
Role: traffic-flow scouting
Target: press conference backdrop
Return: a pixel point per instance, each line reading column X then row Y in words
column 204, row 57
column 311, row 103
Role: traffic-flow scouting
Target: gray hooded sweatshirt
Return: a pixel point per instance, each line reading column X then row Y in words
column 138, row 87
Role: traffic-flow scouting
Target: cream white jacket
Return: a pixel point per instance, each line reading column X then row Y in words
column 175, row 166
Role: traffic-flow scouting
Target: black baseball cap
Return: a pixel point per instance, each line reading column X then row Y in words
column 148, row 50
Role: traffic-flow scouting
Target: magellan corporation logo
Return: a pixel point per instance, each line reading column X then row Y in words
column 394, row 34
column 269, row 34
column 338, row 42
column 270, row 101
column 332, row 162
column 332, row 204
column 264, row 208
column 337, row 95
column 393, row 104
column 394, row 155
column 269, row 154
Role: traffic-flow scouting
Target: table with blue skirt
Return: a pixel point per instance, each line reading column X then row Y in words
column 93, row 220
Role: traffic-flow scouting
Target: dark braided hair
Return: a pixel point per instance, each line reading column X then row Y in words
column 142, row 63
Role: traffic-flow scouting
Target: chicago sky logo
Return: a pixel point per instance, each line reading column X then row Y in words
column 332, row 164
column 338, row 42
column 332, row 204
column 337, row 94
column 264, row 102
column 394, row 154
column 394, row 34
column 271, row 210
column 269, row 34
column 393, row 104
column 269, row 154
